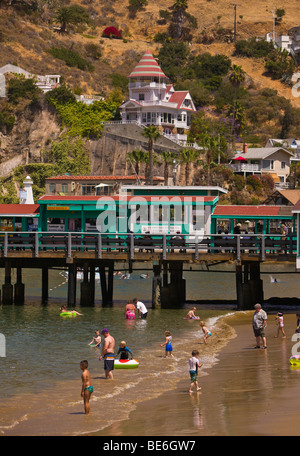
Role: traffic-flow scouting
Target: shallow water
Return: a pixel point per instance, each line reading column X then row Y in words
column 40, row 375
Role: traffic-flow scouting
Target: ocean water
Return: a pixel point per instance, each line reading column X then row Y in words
column 40, row 374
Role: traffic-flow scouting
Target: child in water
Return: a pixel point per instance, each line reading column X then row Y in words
column 124, row 351
column 64, row 309
column 206, row 332
column 279, row 321
column 191, row 315
column 87, row 388
column 96, row 340
column 194, row 364
column 168, row 344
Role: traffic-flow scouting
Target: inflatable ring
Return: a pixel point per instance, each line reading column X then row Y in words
column 126, row 364
column 68, row 314
column 295, row 360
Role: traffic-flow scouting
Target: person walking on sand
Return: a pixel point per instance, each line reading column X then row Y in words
column 259, row 322
column 279, row 321
column 108, row 353
column 206, row 332
column 168, row 344
column 87, row 388
column 194, row 365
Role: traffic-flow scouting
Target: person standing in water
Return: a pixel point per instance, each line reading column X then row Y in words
column 108, row 353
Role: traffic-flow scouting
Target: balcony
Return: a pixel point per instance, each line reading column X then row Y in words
column 245, row 168
column 153, row 85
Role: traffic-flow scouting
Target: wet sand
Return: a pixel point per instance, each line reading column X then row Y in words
column 247, row 392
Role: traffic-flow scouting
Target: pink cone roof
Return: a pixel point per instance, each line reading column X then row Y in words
column 147, row 67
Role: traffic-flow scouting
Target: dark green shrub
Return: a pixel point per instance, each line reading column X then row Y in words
column 71, row 58
column 20, row 87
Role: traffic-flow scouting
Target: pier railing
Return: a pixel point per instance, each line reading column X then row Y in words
column 15, row 243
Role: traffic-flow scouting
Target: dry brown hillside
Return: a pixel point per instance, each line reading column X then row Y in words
column 26, row 38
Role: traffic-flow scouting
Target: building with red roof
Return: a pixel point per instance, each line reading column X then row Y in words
column 152, row 101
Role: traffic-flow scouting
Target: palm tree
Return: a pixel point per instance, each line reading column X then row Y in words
column 136, row 157
column 188, row 156
column 236, row 77
column 179, row 8
column 210, row 145
column 168, row 159
column 152, row 134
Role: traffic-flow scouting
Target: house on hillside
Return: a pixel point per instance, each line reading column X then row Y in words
column 283, row 198
column 152, row 101
column 275, row 161
column 45, row 83
column 290, row 143
column 289, row 41
column 67, row 185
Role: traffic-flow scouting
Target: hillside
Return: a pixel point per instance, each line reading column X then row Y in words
column 25, row 38
column 27, row 35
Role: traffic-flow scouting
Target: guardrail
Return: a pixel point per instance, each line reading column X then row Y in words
column 69, row 242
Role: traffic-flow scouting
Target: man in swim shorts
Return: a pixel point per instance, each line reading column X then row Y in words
column 108, row 353
column 259, row 322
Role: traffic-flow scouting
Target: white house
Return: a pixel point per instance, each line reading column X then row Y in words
column 286, row 41
column 264, row 160
column 152, row 101
column 45, row 83
column 290, row 143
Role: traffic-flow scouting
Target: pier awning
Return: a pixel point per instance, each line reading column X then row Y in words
column 19, row 210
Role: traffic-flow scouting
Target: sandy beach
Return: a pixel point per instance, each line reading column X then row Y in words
column 247, row 392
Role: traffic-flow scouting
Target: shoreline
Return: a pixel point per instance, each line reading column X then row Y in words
column 246, row 393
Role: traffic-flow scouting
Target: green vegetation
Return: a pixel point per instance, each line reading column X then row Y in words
column 71, row 58
column 20, row 87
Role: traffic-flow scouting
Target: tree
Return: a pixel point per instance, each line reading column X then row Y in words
column 236, row 77
column 152, row 134
column 188, row 157
column 180, row 6
column 168, row 159
column 136, row 157
column 74, row 14
column 209, row 144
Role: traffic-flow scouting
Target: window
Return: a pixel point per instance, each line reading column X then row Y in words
column 141, row 97
column 282, row 165
column 268, row 164
column 52, row 188
column 88, row 189
column 64, row 188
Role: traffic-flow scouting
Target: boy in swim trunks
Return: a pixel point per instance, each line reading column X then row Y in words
column 87, row 388
column 194, row 364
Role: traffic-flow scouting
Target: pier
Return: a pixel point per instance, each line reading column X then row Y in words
column 166, row 254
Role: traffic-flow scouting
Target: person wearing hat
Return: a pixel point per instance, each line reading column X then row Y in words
column 259, row 323
column 108, row 353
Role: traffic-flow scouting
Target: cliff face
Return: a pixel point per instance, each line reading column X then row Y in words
column 34, row 128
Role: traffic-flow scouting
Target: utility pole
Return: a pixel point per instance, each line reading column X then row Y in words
column 234, row 28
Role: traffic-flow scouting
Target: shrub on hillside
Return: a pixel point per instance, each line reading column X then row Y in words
column 20, row 87
column 71, row 58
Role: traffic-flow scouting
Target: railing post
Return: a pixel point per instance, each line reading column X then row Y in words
column 5, row 243
column 196, row 248
column 263, row 248
column 36, row 244
column 99, row 246
column 164, row 247
column 238, row 247
column 69, row 245
column 131, row 247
